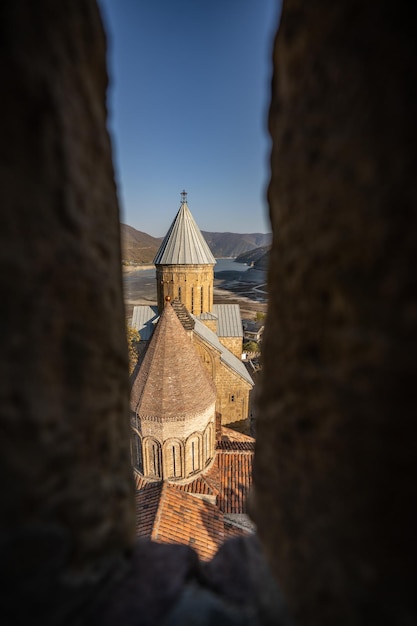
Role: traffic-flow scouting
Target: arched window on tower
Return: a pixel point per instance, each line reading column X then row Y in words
column 193, row 454
column 208, row 443
column 173, row 459
column 179, row 294
column 192, row 299
column 153, row 459
column 136, row 452
column 201, row 299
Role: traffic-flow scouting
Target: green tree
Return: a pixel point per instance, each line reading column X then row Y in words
column 133, row 338
column 259, row 317
column 250, row 346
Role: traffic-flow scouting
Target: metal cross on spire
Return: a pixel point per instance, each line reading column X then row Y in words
column 183, row 197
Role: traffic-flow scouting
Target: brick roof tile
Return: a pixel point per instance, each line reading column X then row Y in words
column 182, row 518
column 171, row 371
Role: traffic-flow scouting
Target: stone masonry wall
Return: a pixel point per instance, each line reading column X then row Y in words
column 234, row 344
column 232, row 395
column 335, row 463
column 181, row 427
column 187, row 283
column 227, row 383
column 67, row 492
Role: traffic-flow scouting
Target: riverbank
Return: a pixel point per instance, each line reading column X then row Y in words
column 127, row 269
column 246, row 287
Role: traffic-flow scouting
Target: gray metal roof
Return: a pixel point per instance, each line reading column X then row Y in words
column 229, row 322
column 144, row 319
column 226, row 356
column 207, row 316
column 184, row 244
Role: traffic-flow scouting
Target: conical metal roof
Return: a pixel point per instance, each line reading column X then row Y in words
column 172, row 382
column 184, row 244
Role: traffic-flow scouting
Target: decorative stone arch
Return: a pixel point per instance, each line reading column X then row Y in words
column 206, row 357
column 152, row 458
column 173, row 459
column 193, row 454
column 136, row 451
column 208, row 443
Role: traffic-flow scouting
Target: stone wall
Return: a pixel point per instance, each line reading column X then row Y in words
column 234, row 344
column 176, row 456
column 66, row 488
column 232, row 392
column 335, row 463
column 232, row 395
column 191, row 284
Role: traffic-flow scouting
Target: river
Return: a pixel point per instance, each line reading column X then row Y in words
column 231, row 280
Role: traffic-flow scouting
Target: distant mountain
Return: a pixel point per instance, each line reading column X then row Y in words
column 254, row 256
column 233, row 244
column 263, row 262
column 138, row 247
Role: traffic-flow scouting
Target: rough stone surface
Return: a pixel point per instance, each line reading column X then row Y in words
column 241, row 577
column 155, row 581
column 335, row 463
column 63, row 384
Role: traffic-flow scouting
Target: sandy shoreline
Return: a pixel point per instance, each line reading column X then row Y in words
column 127, row 269
column 228, row 288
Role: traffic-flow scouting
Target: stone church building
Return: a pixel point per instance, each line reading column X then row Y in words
column 185, row 273
column 191, row 481
column 192, row 472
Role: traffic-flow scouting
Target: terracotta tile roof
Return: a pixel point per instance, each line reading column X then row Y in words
column 170, row 513
column 170, row 373
column 236, row 446
column 228, row 434
column 147, row 502
column 201, row 486
column 183, row 518
column 235, row 480
column 231, row 531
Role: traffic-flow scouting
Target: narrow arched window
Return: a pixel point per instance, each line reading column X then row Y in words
column 136, row 452
column 153, row 459
column 193, row 453
column 208, row 444
column 174, row 463
column 179, row 294
column 173, row 459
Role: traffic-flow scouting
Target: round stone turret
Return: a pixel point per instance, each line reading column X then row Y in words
column 172, row 406
column 184, row 264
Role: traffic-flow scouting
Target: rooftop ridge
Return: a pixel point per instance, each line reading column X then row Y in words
column 171, row 370
column 184, row 243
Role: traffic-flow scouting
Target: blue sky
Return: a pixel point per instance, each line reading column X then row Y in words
column 188, row 104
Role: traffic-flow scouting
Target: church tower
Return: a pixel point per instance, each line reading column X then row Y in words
column 172, row 405
column 185, row 264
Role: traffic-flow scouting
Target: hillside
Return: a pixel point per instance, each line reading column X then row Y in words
column 233, row 244
column 138, row 247
column 253, row 256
